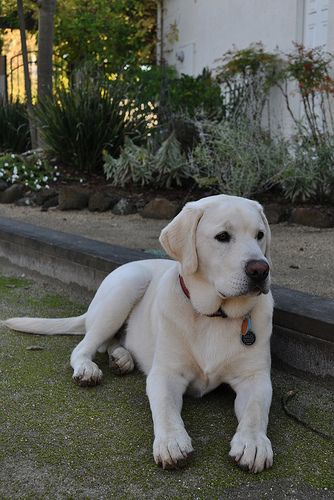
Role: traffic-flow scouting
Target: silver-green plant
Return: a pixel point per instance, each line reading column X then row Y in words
column 170, row 164
column 133, row 166
column 309, row 173
column 139, row 165
column 237, row 159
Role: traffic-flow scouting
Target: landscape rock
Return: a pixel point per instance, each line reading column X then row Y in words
column 276, row 213
column 3, row 185
column 101, row 201
column 50, row 202
column 124, row 207
column 72, row 198
column 45, row 194
column 317, row 216
column 11, row 194
column 160, row 208
column 26, row 201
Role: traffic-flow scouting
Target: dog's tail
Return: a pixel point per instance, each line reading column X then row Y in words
column 46, row 326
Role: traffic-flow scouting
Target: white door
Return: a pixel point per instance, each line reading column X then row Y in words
column 315, row 23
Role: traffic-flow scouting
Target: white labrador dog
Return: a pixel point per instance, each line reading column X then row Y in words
column 191, row 325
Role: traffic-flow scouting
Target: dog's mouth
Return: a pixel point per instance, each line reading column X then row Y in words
column 251, row 290
column 259, row 289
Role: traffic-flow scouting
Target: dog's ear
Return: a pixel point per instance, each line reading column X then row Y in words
column 268, row 234
column 179, row 238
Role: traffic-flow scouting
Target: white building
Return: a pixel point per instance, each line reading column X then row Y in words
column 196, row 33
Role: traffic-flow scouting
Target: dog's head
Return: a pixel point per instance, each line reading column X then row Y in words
column 225, row 240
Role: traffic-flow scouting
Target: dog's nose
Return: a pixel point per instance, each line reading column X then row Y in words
column 257, row 270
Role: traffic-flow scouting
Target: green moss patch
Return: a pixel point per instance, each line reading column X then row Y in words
column 58, row 440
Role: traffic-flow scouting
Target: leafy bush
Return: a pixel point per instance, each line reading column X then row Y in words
column 171, row 93
column 237, row 159
column 247, row 76
column 30, row 169
column 14, row 127
column 311, row 70
column 94, row 116
column 309, row 174
column 165, row 168
column 134, row 165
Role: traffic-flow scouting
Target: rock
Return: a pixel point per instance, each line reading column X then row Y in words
column 3, row 185
column 313, row 216
column 275, row 212
column 101, row 201
column 50, row 202
column 12, row 193
column 73, row 198
column 124, row 207
column 45, row 194
column 160, row 208
column 26, row 201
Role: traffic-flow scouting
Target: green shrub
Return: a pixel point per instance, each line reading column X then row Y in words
column 133, row 166
column 171, row 93
column 247, row 76
column 237, row 159
column 139, row 165
column 94, row 116
column 170, row 164
column 309, row 173
column 31, row 169
column 14, row 127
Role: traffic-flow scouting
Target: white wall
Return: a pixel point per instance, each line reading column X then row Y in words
column 208, row 28
column 198, row 32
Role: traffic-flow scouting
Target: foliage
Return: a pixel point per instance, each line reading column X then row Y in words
column 112, row 33
column 14, row 127
column 237, row 158
column 247, row 76
column 311, row 69
column 309, row 173
column 172, row 93
column 95, row 115
column 190, row 95
column 165, row 168
column 170, row 164
column 31, row 169
column 134, row 165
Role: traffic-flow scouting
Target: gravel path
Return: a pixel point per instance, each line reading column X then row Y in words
column 302, row 256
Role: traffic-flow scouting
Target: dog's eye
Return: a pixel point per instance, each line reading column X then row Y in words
column 260, row 235
column 224, row 237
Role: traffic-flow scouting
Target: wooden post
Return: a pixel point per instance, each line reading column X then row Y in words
column 27, row 83
column 3, row 80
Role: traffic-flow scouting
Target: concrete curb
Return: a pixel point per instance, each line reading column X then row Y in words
column 303, row 333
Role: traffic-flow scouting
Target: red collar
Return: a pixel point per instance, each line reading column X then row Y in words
column 219, row 314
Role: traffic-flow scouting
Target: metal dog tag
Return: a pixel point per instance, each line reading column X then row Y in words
column 249, row 338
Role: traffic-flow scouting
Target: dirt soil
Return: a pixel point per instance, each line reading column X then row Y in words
column 302, row 256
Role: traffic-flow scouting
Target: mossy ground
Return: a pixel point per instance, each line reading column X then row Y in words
column 61, row 441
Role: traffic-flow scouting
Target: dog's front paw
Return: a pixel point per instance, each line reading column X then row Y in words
column 251, row 451
column 87, row 374
column 172, row 450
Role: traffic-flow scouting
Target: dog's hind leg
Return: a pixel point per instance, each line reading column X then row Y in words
column 110, row 308
column 120, row 359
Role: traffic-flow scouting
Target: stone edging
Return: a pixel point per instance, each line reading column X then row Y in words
column 303, row 324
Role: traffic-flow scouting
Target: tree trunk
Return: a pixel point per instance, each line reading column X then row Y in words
column 27, row 84
column 45, row 48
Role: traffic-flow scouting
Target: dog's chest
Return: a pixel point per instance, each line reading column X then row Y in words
column 216, row 348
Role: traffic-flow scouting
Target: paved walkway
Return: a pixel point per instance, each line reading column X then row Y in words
column 302, row 256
